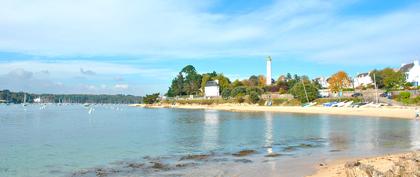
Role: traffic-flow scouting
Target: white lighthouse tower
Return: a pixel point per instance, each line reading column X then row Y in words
column 268, row 77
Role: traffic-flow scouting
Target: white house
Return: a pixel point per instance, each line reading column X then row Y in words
column 212, row 89
column 412, row 72
column 362, row 79
column 37, row 100
column 322, row 81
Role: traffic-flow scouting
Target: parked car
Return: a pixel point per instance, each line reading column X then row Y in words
column 356, row 95
column 383, row 94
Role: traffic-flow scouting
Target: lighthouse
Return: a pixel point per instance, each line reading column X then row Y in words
column 268, row 76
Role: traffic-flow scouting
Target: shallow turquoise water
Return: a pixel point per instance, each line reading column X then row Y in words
column 59, row 140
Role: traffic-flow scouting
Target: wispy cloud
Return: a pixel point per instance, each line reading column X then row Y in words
column 312, row 29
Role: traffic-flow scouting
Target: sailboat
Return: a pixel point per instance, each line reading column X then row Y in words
column 24, row 101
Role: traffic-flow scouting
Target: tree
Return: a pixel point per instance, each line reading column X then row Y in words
column 224, row 82
column 392, row 79
column 237, row 83
column 254, row 97
column 253, row 81
column 177, row 86
column 150, row 99
column 187, row 82
column 288, row 76
column 261, row 80
column 192, row 82
column 226, row 94
column 238, row 91
column 204, row 79
column 298, row 91
column 338, row 81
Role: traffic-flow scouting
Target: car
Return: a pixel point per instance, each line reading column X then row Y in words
column 356, row 95
column 383, row 94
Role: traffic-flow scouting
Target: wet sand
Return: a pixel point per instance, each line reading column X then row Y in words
column 385, row 112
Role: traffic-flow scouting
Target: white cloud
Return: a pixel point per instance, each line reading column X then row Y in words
column 121, row 86
column 312, row 29
column 66, row 77
column 73, row 68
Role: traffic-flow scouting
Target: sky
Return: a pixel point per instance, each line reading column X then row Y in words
column 138, row 46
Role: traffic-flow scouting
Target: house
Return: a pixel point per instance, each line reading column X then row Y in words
column 362, row 80
column 322, row 81
column 37, row 100
column 412, row 72
column 212, row 89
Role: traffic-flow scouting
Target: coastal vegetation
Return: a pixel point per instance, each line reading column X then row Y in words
column 188, row 87
column 18, row 97
column 150, row 99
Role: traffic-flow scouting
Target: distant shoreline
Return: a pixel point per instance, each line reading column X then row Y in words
column 383, row 112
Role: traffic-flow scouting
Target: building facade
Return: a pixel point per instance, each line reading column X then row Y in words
column 362, row 80
column 412, row 72
column 212, row 89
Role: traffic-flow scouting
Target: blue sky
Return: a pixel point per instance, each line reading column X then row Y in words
column 137, row 47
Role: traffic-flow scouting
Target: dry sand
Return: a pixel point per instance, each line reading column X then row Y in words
column 385, row 112
column 381, row 163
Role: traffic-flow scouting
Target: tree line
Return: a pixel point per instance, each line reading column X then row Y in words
column 18, row 97
column 190, row 82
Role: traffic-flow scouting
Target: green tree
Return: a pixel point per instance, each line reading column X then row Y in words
column 226, row 93
column 238, row 91
column 192, row 82
column 392, row 79
column 253, row 81
column 298, row 91
column 237, row 83
column 150, row 99
column 254, row 97
column 204, row 79
column 224, row 82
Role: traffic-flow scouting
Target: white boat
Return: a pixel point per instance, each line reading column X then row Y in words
column 24, row 101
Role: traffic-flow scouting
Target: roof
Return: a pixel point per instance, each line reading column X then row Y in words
column 211, row 83
column 363, row 75
column 405, row 68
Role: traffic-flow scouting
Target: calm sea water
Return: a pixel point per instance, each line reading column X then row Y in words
column 62, row 140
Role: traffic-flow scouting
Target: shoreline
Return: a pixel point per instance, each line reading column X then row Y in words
column 394, row 164
column 382, row 112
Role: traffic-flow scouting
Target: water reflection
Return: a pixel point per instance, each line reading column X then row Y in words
column 211, row 129
column 414, row 137
column 268, row 132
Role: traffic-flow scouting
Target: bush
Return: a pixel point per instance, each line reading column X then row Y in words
column 226, row 93
column 279, row 101
column 298, row 92
column 258, row 90
column 239, row 98
column 404, row 97
column 150, row 99
column 238, row 90
column 254, row 97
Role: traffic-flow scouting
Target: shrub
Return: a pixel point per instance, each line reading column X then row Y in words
column 239, row 98
column 150, row 99
column 254, row 97
column 238, row 90
column 298, row 92
column 278, row 101
column 404, row 97
column 258, row 90
column 226, row 93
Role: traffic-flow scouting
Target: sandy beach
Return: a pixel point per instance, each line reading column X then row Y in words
column 401, row 164
column 384, row 112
